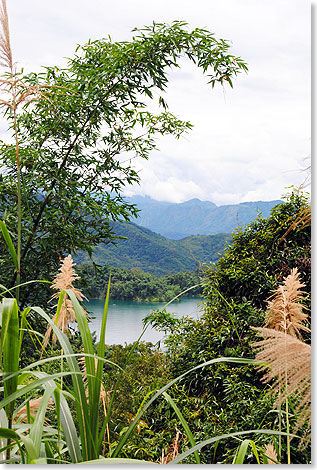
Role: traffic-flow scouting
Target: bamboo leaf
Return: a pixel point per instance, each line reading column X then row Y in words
column 10, row 351
column 241, row 452
column 37, row 428
column 69, row 429
column 86, row 339
column 90, row 419
column 22, row 373
column 184, row 423
column 23, row 321
column 35, row 385
column 7, row 434
column 255, row 451
column 30, row 448
column 35, row 281
column 99, row 372
column 9, row 243
column 79, row 391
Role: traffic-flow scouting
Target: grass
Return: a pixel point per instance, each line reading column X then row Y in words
column 77, row 437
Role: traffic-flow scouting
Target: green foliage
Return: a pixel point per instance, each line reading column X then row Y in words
column 258, row 259
column 222, row 402
column 152, row 253
column 145, row 372
column 135, row 285
column 236, row 288
column 77, row 141
column 69, row 181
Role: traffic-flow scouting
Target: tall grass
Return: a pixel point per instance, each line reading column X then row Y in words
column 287, row 358
column 76, row 433
column 66, row 439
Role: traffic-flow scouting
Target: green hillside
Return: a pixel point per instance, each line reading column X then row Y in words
column 155, row 254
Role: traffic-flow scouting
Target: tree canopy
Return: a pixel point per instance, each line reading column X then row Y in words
column 236, row 290
column 77, row 140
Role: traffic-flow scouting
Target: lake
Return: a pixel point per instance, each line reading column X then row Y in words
column 124, row 322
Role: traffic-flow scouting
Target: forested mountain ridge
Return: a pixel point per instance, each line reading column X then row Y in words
column 196, row 217
column 155, row 254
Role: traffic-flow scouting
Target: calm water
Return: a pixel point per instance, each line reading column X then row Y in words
column 124, row 323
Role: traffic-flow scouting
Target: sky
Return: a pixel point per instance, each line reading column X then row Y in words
column 249, row 143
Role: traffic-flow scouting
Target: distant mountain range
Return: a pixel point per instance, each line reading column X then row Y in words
column 196, row 217
column 154, row 253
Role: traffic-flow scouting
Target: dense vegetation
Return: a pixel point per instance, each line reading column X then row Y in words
column 233, row 398
column 66, row 399
column 73, row 129
column 155, row 254
column 132, row 284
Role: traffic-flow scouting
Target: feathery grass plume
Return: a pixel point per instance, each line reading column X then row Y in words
column 285, row 312
column 21, row 415
column 287, row 358
column 5, row 45
column 16, row 90
column 172, row 451
column 270, row 452
column 288, row 363
column 64, row 280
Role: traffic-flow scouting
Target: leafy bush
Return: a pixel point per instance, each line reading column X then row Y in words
column 236, row 289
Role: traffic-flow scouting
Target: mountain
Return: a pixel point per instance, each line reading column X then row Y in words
column 154, row 253
column 196, row 217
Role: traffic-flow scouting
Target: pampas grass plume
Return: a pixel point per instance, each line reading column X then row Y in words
column 285, row 312
column 270, row 452
column 64, row 281
column 286, row 357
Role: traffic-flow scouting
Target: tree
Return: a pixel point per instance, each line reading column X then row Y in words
column 78, row 139
column 236, row 291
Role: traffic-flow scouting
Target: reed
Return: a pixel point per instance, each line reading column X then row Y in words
column 172, row 451
column 287, row 358
column 288, row 368
column 38, row 441
column 61, row 437
column 65, row 313
column 286, row 312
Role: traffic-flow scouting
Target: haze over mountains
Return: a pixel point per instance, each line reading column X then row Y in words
column 169, row 237
column 196, row 217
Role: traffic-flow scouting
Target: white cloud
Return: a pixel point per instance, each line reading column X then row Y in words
column 248, row 142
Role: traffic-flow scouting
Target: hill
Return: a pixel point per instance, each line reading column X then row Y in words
column 155, row 254
column 196, row 217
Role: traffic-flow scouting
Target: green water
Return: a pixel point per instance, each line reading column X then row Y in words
column 124, row 324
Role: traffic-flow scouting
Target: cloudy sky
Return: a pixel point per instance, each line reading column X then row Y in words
column 249, row 142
